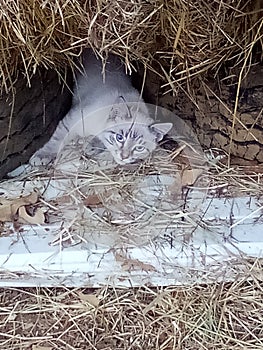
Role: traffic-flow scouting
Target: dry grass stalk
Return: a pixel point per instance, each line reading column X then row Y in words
column 236, row 181
column 178, row 39
column 220, row 316
column 187, row 37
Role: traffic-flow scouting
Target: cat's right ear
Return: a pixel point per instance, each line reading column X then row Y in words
column 160, row 129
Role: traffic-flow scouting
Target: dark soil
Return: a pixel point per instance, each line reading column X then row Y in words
column 29, row 115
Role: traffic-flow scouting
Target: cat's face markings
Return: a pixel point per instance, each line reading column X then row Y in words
column 129, row 136
column 129, row 142
column 133, row 149
column 122, row 136
column 130, row 145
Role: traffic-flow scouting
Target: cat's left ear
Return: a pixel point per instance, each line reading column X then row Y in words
column 160, row 129
column 119, row 109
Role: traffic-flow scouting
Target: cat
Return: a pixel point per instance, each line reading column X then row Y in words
column 109, row 108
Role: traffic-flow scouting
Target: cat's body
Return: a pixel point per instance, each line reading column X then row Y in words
column 110, row 109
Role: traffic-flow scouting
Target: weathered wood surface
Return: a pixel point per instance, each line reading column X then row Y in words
column 29, row 115
column 230, row 232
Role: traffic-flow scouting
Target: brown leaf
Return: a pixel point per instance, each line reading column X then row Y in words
column 92, row 200
column 5, row 211
column 9, row 207
column 135, row 265
column 65, row 199
column 129, row 264
column 189, row 176
column 37, row 218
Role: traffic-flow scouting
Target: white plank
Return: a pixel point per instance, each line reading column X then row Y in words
column 230, row 229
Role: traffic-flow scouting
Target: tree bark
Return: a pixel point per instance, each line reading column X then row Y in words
column 29, row 115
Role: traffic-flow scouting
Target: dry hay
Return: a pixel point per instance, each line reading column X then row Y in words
column 178, row 40
column 186, row 37
column 136, row 204
column 219, row 316
column 118, row 205
column 234, row 181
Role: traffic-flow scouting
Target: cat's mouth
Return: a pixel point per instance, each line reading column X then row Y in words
column 128, row 161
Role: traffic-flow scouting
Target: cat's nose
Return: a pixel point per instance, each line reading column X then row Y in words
column 125, row 155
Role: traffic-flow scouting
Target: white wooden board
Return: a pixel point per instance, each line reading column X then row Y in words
column 230, row 230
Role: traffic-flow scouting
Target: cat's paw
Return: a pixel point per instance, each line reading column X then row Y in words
column 41, row 158
column 94, row 147
column 19, row 171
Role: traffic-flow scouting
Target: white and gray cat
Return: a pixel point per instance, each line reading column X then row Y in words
column 109, row 108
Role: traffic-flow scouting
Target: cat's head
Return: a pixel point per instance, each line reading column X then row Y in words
column 131, row 135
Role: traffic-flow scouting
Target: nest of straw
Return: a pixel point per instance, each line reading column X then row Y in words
column 185, row 37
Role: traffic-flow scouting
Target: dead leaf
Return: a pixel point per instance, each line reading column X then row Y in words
column 90, row 298
column 37, row 218
column 28, row 325
column 92, row 201
column 129, row 264
column 65, row 199
column 9, row 207
column 5, row 210
column 135, row 265
column 189, row 176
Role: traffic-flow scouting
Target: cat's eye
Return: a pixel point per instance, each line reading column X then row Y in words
column 119, row 137
column 139, row 148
